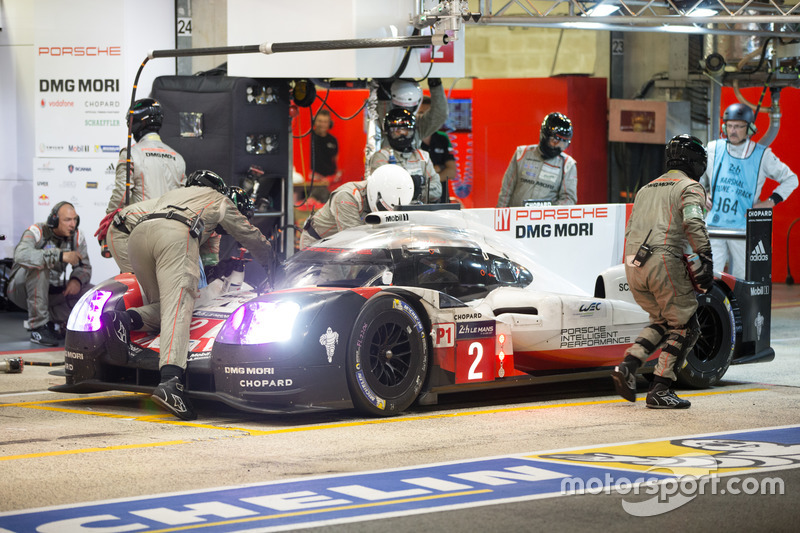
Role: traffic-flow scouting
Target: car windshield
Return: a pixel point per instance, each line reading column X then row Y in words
column 336, row 267
column 431, row 258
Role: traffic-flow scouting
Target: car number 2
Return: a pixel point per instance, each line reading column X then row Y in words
column 476, row 350
column 474, row 362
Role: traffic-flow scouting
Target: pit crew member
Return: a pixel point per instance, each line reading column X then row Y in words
column 736, row 172
column 156, row 168
column 542, row 171
column 407, row 94
column 164, row 249
column 667, row 215
column 388, row 186
column 38, row 281
column 399, row 128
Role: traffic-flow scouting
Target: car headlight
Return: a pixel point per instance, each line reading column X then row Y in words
column 85, row 316
column 260, row 323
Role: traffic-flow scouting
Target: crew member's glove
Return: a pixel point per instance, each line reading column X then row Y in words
column 105, row 222
column 434, row 82
column 705, row 276
column 384, row 89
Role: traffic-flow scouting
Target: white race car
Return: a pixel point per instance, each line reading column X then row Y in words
column 408, row 306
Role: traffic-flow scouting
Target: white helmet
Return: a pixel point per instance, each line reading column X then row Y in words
column 406, row 94
column 389, row 186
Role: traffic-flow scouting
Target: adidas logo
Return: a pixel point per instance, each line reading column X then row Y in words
column 759, row 253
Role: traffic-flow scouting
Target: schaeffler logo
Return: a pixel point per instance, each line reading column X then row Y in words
column 759, row 253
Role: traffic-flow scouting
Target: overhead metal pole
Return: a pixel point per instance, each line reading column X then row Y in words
column 274, row 48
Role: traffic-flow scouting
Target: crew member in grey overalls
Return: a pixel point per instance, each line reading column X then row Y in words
column 667, row 216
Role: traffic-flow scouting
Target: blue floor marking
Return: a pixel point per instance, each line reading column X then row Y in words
column 353, row 497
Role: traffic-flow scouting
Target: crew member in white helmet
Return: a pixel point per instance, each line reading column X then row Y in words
column 387, row 187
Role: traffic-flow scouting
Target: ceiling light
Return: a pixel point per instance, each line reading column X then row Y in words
column 602, row 10
column 703, row 12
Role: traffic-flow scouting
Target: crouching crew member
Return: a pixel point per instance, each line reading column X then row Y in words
column 667, row 215
column 38, row 279
column 387, row 187
column 164, row 249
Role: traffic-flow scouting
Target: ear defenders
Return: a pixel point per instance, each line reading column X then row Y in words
column 751, row 129
column 52, row 218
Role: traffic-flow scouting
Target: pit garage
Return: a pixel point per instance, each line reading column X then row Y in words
column 507, row 417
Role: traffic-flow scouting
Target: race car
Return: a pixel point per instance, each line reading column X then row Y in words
column 411, row 305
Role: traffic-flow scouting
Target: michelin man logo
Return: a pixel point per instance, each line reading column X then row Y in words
column 329, row 340
column 759, row 323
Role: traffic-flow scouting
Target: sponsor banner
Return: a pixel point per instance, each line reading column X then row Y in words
column 758, row 266
column 81, row 92
column 629, row 469
column 577, row 241
column 83, row 77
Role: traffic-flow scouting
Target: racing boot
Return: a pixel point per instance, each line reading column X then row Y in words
column 45, row 336
column 624, row 376
column 662, row 397
column 170, row 396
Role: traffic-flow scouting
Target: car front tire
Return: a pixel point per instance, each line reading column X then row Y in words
column 387, row 359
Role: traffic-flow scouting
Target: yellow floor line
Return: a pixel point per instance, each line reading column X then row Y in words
column 161, row 419
column 91, row 450
column 319, row 511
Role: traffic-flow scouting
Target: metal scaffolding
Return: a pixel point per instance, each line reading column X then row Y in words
column 766, row 18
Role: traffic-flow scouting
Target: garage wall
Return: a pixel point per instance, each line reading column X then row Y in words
column 500, row 52
column 16, row 126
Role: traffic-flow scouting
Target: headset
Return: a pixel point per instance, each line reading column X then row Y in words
column 741, row 112
column 751, row 129
column 52, row 218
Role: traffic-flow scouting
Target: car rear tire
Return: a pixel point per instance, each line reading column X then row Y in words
column 712, row 353
column 387, row 359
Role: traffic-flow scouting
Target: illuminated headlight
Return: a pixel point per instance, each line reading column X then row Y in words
column 260, row 323
column 85, row 316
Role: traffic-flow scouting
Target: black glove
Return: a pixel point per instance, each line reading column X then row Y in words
column 434, row 82
column 384, row 89
column 705, row 276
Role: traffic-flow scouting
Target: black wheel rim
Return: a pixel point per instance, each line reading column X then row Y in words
column 390, row 356
column 708, row 344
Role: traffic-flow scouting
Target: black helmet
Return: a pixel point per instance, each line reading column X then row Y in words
column 554, row 125
column 241, row 200
column 686, row 153
column 206, row 178
column 399, row 129
column 147, row 117
column 739, row 112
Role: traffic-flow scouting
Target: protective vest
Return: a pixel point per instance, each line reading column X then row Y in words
column 734, row 183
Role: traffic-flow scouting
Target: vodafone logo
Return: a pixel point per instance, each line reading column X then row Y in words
column 57, row 103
